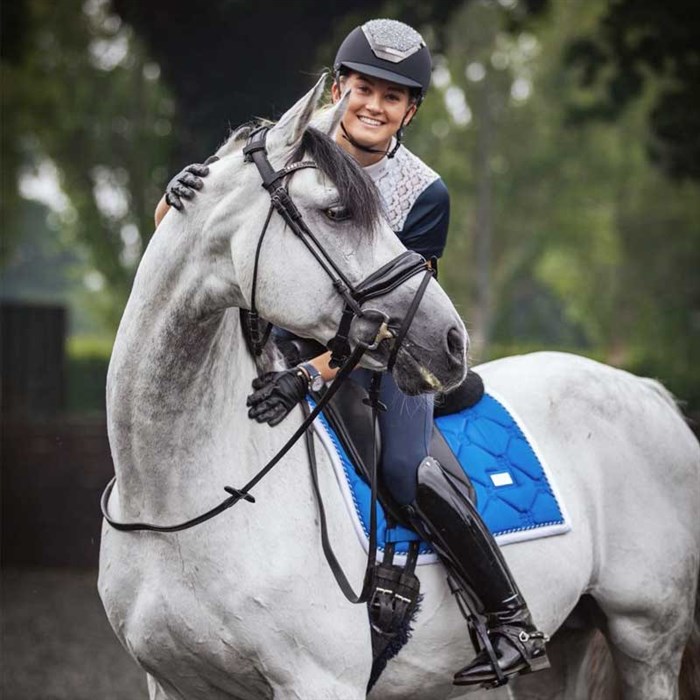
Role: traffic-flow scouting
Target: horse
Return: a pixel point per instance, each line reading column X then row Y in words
column 243, row 606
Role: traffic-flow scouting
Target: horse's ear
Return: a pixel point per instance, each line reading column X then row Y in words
column 290, row 128
column 327, row 120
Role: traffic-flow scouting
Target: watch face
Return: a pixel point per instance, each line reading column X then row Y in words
column 317, row 383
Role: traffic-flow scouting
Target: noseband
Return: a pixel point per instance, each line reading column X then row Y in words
column 380, row 282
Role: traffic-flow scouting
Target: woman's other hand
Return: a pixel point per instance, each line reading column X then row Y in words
column 276, row 394
column 183, row 186
column 186, row 183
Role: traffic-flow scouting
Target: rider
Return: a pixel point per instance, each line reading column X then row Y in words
column 387, row 67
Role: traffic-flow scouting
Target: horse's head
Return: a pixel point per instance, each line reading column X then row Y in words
column 341, row 207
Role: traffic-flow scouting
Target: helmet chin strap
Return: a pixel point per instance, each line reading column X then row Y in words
column 388, row 153
column 357, row 145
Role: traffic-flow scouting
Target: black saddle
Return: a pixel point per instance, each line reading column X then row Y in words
column 351, row 419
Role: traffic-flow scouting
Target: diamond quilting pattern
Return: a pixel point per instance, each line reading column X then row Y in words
column 514, row 496
column 402, row 181
column 513, row 492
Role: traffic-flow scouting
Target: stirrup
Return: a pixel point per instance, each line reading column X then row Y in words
column 527, row 662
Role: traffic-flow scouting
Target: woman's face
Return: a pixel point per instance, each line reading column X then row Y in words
column 375, row 111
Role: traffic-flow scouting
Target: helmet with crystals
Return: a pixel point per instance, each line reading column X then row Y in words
column 387, row 49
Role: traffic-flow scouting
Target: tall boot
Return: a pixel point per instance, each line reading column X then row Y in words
column 444, row 515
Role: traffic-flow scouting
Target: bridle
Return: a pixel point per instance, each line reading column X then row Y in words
column 379, row 283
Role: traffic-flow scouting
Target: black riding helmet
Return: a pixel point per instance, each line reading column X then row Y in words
column 387, row 49
column 390, row 50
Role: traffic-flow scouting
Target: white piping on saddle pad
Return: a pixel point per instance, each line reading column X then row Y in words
column 545, row 530
column 504, row 539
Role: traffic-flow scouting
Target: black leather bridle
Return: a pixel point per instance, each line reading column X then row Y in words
column 381, row 282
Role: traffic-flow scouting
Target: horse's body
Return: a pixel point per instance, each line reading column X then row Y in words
column 628, row 469
column 244, row 606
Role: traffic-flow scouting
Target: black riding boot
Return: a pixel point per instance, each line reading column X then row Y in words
column 443, row 514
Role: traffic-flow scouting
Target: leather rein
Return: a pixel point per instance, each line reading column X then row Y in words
column 379, row 283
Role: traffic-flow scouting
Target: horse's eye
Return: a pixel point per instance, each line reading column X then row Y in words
column 337, row 213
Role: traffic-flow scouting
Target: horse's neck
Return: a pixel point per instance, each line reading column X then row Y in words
column 177, row 381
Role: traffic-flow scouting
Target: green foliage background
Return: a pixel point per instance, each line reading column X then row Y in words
column 81, row 94
column 590, row 247
column 564, row 233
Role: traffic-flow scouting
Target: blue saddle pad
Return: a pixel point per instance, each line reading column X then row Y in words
column 515, row 496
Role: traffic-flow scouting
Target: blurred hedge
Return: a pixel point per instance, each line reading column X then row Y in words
column 87, row 358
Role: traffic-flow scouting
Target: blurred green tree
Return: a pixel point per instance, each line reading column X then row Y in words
column 636, row 41
column 82, row 100
column 238, row 59
column 562, row 235
column 84, row 103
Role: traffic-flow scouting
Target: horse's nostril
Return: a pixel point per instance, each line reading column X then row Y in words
column 456, row 344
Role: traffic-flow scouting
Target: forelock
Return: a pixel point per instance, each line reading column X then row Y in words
column 356, row 191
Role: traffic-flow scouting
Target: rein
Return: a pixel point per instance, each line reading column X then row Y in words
column 381, row 282
column 242, row 493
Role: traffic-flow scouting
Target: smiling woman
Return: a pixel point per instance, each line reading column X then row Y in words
column 377, row 111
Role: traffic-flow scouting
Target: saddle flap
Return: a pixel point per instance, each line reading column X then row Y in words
column 351, row 419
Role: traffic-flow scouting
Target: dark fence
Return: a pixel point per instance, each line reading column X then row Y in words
column 53, row 467
column 32, row 359
column 53, row 474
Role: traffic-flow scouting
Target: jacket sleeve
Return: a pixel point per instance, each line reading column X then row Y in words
column 425, row 229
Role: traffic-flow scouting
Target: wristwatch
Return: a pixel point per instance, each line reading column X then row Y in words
column 316, row 381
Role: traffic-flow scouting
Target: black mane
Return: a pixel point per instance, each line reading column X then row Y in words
column 356, row 191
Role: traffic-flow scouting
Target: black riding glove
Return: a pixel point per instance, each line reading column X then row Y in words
column 276, row 394
column 186, row 183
